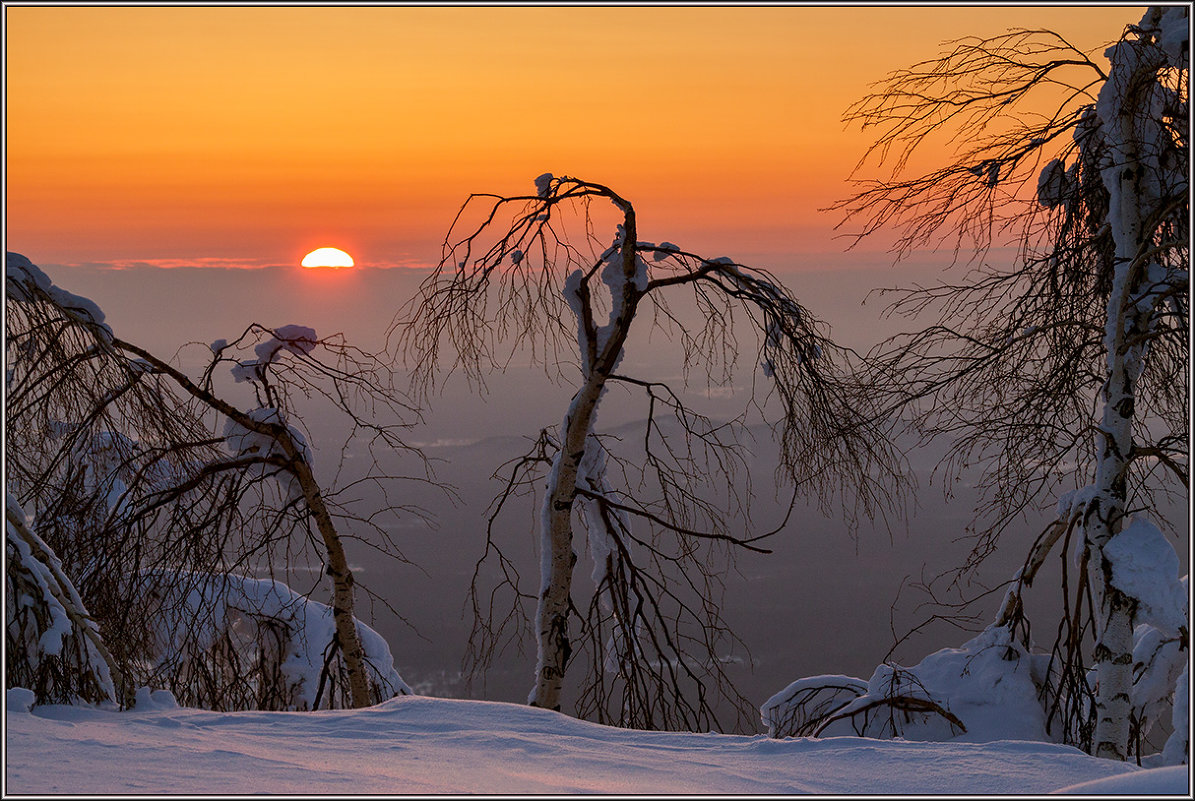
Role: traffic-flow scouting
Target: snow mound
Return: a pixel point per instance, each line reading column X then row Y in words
column 420, row 745
column 19, row 699
column 1159, row 781
column 988, row 686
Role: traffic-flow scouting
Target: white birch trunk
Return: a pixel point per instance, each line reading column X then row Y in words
column 600, row 353
column 558, row 558
column 1104, row 520
column 342, row 579
column 1122, row 106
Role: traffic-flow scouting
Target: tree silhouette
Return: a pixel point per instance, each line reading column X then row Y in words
column 530, row 272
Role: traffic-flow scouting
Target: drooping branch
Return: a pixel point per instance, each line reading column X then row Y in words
column 971, row 99
column 143, row 501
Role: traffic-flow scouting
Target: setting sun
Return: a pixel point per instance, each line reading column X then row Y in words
column 327, row 257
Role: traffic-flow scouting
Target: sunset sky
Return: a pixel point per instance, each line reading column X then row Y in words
column 239, row 136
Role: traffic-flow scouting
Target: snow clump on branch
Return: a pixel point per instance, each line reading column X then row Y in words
column 242, row 442
column 240, row 610
column 298, row 339
column 1145, row 567
column 23, row 275
column 245, row 443
column 1051, row 184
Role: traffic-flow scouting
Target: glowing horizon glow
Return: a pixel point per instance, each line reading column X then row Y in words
column 335, row 258
column 744, row 149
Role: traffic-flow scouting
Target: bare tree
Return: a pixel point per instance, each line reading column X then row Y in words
column 150, row 485
column 532, row 272
column 1061, row 373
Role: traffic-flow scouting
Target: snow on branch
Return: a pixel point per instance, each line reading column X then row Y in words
column 287, row 641
column 984, row 691
column 26, row 283
column 53, row 647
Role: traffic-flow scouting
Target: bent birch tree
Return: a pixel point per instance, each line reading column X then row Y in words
column 512, row 280
column 150, row 485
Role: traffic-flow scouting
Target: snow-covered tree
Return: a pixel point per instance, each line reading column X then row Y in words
column 1061, row 373
column 150, row 485
column 52, row 647
column 230, row 642
column 533, row 274
column 263, row 444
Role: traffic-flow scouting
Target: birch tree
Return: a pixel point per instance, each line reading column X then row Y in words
column 1062, row 372
column 533, row 272
column 1143, row 112
column 161, row 496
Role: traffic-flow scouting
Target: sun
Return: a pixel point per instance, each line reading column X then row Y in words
column 327, row 257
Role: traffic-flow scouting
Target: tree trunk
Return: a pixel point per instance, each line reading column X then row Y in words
column 554, row 648
column 338, row 567
column 1105, row 518
column 558, row 558
column 342, row 580
column 1122, row 100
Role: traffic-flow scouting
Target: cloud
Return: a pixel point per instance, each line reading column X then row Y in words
column 224, row 263
column 402, row 262
column 445, row 443
column 207, row 262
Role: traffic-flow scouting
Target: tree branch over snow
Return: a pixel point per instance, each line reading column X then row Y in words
column 1059, row 376
column 150, row 485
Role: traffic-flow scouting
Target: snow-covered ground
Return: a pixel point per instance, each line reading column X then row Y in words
column 416, row 744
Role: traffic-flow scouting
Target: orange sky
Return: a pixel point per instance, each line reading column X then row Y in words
column 257, row 134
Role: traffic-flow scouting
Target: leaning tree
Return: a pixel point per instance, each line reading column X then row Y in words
column 168, row 509
column 1058, row 366
column 533, row 274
